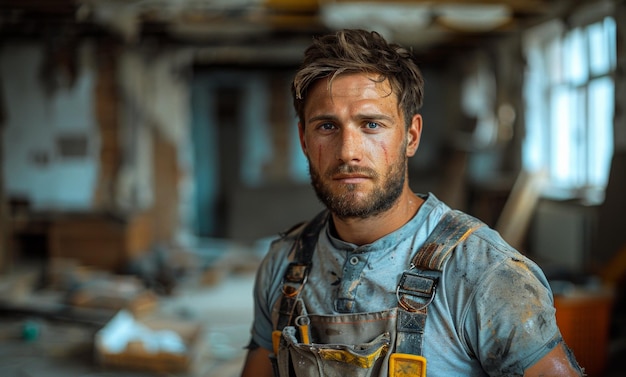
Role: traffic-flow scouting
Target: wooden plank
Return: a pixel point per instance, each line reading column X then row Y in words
column 515, row 217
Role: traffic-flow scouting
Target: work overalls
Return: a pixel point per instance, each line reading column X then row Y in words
column 385, row 343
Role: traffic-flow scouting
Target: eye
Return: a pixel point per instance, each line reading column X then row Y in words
column 372, row 125
column 326, row 126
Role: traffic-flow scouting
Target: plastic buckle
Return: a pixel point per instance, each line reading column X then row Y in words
column 405, row 365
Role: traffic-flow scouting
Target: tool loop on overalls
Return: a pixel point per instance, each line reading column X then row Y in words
column 303, row 323
column 302, row 320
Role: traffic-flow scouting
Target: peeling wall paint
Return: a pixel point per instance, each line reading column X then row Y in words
column 34, row 163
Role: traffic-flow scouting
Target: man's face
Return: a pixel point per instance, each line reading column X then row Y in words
column 357, row 145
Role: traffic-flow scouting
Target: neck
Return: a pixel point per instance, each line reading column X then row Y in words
column 361, row 231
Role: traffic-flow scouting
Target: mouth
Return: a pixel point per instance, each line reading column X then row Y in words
column 351, row 178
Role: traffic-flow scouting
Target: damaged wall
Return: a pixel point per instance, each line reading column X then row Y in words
column 108, row 136
column 51, row 143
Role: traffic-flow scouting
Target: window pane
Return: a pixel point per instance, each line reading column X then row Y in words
column 598, row 49
column 601, row 105
column 570, row 116
column 536, row 135
column 579, row 137
column 610, row 32
column 575, row 57
column 561, row 137
column 553, row 61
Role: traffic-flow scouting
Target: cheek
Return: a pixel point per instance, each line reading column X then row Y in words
column 385, row 152
column 320, row 153
column 316, row 153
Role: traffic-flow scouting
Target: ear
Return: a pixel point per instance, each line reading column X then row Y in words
column 414, row 133
column 301, row 136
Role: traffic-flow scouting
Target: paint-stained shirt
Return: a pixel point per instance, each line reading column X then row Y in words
column 492, row 315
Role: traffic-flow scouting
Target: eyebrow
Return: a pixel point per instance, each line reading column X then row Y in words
column 364, row 116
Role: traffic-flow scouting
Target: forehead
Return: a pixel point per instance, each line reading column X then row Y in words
column 352, row 87
column 353, row 84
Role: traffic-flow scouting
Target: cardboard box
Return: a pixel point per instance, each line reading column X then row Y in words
column 100, row 241
column 142, row 355
column 114, row 293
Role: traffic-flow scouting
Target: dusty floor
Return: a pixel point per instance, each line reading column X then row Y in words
column 65, row 348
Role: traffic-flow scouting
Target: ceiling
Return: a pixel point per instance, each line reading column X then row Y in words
column 273, row 30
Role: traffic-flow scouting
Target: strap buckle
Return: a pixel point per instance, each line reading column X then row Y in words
column 296, row 272
column 294, row 278
column 416, row 291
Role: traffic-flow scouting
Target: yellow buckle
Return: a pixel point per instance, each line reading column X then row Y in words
column 402, row 364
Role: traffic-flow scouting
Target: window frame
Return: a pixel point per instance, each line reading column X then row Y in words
column 546, row 75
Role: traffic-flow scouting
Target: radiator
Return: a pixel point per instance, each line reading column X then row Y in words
column 561, row 235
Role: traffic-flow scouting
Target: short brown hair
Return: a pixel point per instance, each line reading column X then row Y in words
column 360, row 51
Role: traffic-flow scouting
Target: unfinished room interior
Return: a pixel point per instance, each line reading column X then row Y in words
column 149, row 155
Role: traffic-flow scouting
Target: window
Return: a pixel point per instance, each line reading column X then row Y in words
column 569, row 93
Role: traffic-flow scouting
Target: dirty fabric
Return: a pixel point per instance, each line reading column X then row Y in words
column 492, row 314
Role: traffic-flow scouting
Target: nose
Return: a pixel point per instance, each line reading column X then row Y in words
column 350, row 145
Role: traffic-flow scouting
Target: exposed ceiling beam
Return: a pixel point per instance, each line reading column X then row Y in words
column 261, row 23
column 528, row 6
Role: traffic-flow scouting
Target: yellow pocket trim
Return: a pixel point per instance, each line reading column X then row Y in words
column 348, row 357
column 404, row 365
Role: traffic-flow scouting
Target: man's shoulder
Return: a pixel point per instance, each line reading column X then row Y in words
column 285, row 239
column 485, row 254
column 282, row 250
column 313, row 225
column 293, row 231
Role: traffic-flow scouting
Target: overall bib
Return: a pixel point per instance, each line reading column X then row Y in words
column 385, row 343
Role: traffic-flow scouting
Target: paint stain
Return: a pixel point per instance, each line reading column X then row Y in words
column 384, row 148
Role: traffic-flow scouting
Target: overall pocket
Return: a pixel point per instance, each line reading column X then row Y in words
column 331, row 360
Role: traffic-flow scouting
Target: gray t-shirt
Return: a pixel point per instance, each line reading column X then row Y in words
column 492, row 314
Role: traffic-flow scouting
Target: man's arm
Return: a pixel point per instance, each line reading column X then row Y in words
column 257, row 363
column 555, row 363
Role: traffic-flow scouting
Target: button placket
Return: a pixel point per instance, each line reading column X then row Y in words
column 346, row 291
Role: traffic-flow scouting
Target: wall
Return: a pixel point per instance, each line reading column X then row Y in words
column 246, row 155
column 4, row 216
column 610, row 238
column 36, row 165
column 95, row 128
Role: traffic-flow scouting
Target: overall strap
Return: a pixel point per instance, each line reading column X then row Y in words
column 453, row 228
column 417, row 286
column 297, row 271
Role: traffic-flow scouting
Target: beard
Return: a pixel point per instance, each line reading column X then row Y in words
column 349, row 202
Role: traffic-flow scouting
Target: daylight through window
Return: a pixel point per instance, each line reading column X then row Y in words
column 569, row 94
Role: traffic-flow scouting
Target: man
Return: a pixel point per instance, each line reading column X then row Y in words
column 388, row 282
